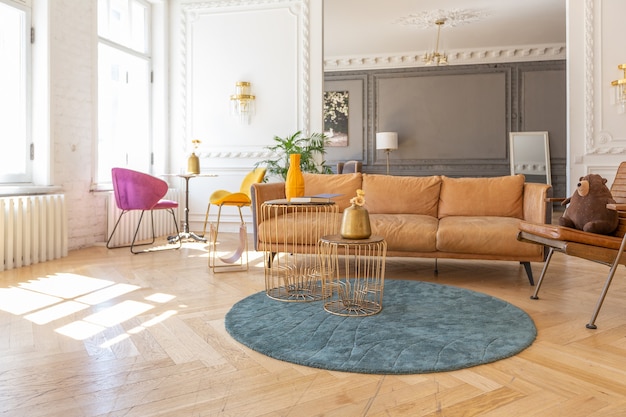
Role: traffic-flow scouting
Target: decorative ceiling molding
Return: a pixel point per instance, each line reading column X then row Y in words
column 455, row 57
column 452, row 18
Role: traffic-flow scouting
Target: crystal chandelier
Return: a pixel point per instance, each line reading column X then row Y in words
column 436, row 57
column 430, row 18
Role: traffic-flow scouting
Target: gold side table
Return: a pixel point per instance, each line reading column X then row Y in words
column 290, row 232
column 186, row 234
column 356, row 274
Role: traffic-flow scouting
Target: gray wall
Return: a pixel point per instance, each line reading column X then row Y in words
column 453, row 120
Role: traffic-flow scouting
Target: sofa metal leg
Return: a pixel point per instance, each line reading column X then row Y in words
column 436, row 267
column 529, row 272
column 270, row 259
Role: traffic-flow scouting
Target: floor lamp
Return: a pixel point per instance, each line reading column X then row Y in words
column 387, row 141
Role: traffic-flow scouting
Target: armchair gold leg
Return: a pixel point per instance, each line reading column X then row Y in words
column 228, row 263
column 206, row 219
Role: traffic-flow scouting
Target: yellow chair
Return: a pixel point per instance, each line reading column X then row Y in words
column 221, row 198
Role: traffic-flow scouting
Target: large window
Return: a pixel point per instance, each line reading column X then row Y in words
column 124, row 87
column 15, row 101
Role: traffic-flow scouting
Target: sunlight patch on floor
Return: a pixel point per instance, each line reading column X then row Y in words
column 107, row 293
column 80, row 330
column 62, row 295
column 56, row 312
column 118, row 313
column 160, row 298
column 66, row 285
column 19, row 301
column 158, row 319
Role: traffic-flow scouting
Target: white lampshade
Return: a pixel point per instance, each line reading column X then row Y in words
column 387, row 140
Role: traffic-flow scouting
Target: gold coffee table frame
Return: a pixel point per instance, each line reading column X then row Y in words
column 356, row 274
column 290, row 232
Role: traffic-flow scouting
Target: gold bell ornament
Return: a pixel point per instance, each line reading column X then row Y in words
column 193, row 162
column 355, row 223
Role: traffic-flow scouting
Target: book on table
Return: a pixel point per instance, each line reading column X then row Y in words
column 318, row 198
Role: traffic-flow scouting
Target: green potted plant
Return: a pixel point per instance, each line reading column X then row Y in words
column 310, row 148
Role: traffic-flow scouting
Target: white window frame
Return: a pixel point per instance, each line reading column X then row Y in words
column 23, row 178
column 155, row 52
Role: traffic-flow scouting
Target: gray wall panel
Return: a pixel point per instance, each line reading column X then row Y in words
column 455, row 120
column 444, row 117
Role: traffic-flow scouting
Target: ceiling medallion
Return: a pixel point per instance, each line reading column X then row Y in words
column 452, row 17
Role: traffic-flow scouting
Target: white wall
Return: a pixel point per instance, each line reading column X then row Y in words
column 597, row 131
column 274, row 45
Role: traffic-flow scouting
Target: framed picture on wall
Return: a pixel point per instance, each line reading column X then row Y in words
column 345, row 114
column 336, row 116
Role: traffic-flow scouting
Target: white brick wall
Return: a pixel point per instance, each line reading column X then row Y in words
column 73, row 77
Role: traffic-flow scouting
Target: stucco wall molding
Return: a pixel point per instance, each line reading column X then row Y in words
column 190, row 12
column 599, row 140
column 548, row 52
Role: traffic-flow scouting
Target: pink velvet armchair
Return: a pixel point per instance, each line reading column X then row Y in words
column 138, row 191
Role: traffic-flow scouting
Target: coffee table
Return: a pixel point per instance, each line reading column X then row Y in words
column 355, row 273
column 288, row 230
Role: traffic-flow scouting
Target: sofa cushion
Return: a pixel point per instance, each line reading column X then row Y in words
column 402, row 195
column 401, row 231
column 344, row 184
column 497, row 196
column 496, row 236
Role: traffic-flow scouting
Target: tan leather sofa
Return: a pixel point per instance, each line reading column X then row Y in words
column 431, row 217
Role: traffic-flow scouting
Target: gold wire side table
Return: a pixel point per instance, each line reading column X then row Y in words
column 290, row 232
column 356, row 274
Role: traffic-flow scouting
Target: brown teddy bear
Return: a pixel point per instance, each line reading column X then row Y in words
column 587, row 207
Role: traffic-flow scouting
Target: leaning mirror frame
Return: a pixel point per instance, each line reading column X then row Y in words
column 530, row 154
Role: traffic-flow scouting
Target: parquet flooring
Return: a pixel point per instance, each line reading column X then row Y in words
column 107, row 333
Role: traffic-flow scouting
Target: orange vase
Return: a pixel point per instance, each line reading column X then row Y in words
column 294, row 183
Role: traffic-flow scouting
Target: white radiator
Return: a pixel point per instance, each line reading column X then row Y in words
column 33, row 229
column 163, row 224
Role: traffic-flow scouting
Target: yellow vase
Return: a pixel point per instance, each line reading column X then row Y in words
column 355, row 223
column 193, row 164
column 294, row 183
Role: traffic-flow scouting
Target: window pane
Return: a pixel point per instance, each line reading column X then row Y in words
column 139, row 27
column 14, row 158
column 124, row 22
column 123, row 112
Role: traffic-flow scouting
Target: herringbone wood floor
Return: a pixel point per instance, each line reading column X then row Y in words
column 149, row 340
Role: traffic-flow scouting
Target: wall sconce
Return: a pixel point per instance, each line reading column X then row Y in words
column 242, row 102
column 620, row 90
column 387, row 141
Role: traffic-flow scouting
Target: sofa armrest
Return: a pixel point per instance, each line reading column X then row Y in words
column 537, row 204
column 260, row 193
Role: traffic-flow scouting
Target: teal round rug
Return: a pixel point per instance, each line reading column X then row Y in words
column 423, row 327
